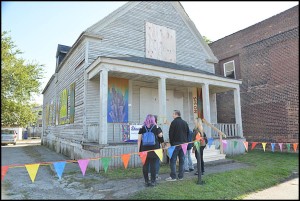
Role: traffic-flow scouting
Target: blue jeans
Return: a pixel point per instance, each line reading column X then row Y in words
column 188, row 162
column 177, row 152
column 157, row 166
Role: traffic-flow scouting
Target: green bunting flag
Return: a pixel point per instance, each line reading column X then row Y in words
column 288, row 145
column 197, row 145
column 105, row 162
column 234, row 144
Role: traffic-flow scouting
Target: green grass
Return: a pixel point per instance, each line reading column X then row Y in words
column 266, row 170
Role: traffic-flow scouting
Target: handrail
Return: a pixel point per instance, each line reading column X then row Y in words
column 219, row 132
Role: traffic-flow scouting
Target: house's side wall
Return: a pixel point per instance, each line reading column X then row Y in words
column 64, row 138
column 126, row 35
column 268, row 53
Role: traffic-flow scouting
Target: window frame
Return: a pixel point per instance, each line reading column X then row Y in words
column 224, row 70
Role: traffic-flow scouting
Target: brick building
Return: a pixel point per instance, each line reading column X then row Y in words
column 265, row 56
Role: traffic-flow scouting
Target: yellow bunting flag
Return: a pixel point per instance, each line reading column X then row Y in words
column 295, row 146
column 264, row 145
column 32, row 170
column 159, row 153
column 125, row 159
column 143, row 156
column 253, row 145
column 246, row 145
column 4, row 170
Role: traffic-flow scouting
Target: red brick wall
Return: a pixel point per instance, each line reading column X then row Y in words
column 268, row 54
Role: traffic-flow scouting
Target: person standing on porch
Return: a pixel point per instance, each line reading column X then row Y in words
column 149, row 125
column 178, row 134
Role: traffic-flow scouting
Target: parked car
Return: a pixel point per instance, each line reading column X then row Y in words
column 8, row 137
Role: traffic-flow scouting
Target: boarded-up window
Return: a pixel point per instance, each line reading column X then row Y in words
column 160, row 43
column 72, row 102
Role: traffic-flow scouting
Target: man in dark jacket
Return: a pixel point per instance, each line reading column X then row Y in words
column 178, row 134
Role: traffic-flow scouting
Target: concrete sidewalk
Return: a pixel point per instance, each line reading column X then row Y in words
column 288, row 190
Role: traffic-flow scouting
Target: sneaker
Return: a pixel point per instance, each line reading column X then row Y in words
column 196, row 173
column 170, row 179
column 180, row 179
column 158, row 178
column 191, row 170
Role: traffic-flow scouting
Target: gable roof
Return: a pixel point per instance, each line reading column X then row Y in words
column 176, row 5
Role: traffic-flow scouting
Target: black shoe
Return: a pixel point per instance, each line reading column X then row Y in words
column 191, row 170
column 147, row 184
column 196, row 173
column 152, row 184
column 202, row 173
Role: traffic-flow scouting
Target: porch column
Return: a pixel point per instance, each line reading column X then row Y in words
column 206, row 108
column 103, row 106
column 162, row 97
column 237, row 109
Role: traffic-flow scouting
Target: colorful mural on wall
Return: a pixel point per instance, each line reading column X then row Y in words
column 117, row 103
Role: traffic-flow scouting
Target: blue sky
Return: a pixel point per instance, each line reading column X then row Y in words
column 38, row 27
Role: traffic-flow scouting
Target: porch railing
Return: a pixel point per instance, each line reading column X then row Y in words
column 231, row 130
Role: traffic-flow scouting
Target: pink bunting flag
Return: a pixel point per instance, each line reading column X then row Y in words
column 246, row 145
column 83, row 163
column 4, row 170
column 224, row 144
column 280, row 146
column 184, row 147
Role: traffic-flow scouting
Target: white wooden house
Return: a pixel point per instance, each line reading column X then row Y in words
column 143, row 58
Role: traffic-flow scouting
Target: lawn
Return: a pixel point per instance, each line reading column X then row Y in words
column 267, row 169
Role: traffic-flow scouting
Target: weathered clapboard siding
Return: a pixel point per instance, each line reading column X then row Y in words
column 189, row 52
column 70, row 72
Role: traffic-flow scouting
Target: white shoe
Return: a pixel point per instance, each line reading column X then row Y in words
column 170, row 179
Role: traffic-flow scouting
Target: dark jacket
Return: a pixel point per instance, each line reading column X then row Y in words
column 178, row 132
column 156, row 130
column 190, row 139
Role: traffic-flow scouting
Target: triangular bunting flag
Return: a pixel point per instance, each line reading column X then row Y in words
column 4, row 170
column 273, row 146
column 125, row 159
column 184, row 147
column 235, row 143
column 170, row 151
column 197, row 145
column 224, row 142
column 83, row 163
column 253, row 145
column 280, row 146
column 32, row 170
column 143, row 156
column 198, row 137
column 295, row 146
column 288, row 145
column 105, row 161
column 246, row 145
column 59, row 168
column 210, row 141
column 159, row 153
column 264, row 145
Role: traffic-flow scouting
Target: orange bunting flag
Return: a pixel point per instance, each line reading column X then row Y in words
column 4, row 170
column 32, row 170
column 253, row 145
column 125, row 159
column 198, row 137
column 143, row 156
column 295, row 146
column 159, row 153
column 264, row 145
column 246, row 145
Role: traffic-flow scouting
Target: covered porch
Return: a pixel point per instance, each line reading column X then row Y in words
column 155, row 87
